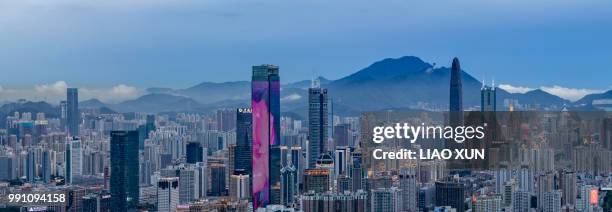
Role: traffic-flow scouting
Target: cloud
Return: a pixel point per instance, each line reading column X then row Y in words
column 58, row 87
column 571, row 94
column 124, row 90
column 515, row 89
column 114, row 94
column 55, row 92
column 291, row 97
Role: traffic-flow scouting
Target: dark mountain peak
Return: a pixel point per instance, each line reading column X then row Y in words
column 407, row 61
column 92, row 100
column 537, row 92
column 390, row 68
column 91, row 103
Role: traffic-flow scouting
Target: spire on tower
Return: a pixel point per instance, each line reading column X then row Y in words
column 482, row 85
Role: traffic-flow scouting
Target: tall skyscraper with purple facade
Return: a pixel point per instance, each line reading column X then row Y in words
column 265, row 104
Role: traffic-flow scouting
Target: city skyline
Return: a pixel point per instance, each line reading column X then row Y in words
column 357, row 106
column 195, row 160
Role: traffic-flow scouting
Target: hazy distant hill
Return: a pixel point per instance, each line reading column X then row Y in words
column 588, row 99
column 405, row 82
column 92, row 103
column 533, row 97
column 305, row 84
column 401, row 82
column 209, row 92
column 154, row 103
column 23, row 107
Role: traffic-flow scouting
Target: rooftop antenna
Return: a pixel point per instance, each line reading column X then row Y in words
column 493, row 84
column 314, row 82
column 482, row 85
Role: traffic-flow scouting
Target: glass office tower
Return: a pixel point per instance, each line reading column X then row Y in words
column 72, row 112
column 265, row 106
column 124, row 184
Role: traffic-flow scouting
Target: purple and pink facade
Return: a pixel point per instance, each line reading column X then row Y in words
column 265, row 103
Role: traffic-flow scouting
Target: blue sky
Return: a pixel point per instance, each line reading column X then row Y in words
column 139, row 44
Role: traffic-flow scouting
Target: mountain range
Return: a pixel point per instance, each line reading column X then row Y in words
column 405, row 82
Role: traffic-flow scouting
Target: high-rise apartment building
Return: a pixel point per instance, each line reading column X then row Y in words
column 167, row 194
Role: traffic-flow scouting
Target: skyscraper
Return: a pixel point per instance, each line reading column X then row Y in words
column 341, row 135
column 202, row 169
column 455, row 113
column 239, row 185
column 145, row 129
column 289, row 186
column 551, row 201
column 30, row 166
column 521, row 201
column 488, row 100
column 72, row 111
column 525, row 178
column 217, row 175
column 76, row 155
column 7, row 170
column 226, row 120
column 194, row 152
column 244, row 138
column 410, row 190
column 73, row 159
column 456, row 95
column 124, row 170
column 297, row 161
column 341, row 160
column 568, row 187
column 386, row 200
column 316, row 180
column 167, row 194
column 545, row 185
column 265, row 104
column 449, row 192
column 606, row 133
column 188, row 184
column 487, row 203
column 46, row 166
column 317, row 122
column 63, row 114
